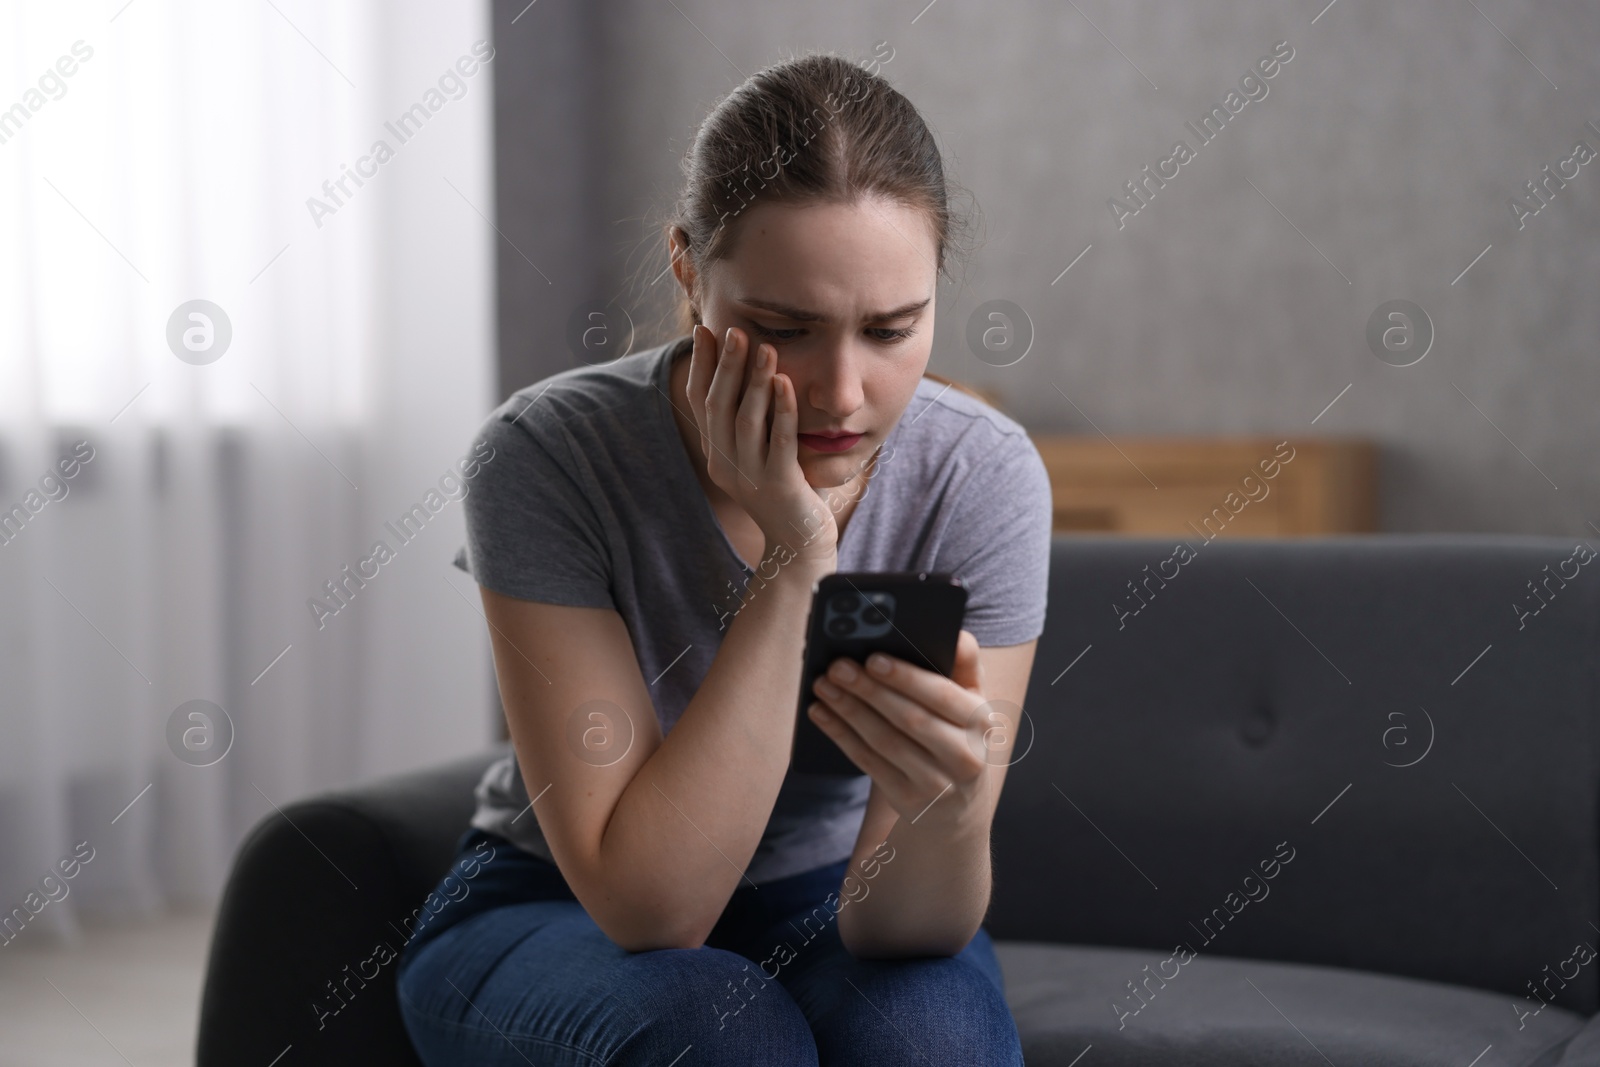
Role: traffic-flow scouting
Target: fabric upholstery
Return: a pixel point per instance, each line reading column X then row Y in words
column 1220, row 1012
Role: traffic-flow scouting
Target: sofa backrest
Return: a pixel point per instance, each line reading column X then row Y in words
column 1375, row 752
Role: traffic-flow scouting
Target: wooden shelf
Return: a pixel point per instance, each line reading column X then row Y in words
column 1210, row 486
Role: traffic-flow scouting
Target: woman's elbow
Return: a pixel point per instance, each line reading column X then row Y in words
column 649, row 934
column 902, row 944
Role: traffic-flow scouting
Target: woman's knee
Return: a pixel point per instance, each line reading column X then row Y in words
column 916, row 1011
column 601, row 1004
column 717, row 1002
column 492, row 989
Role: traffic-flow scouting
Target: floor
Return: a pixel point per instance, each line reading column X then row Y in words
column 119, row 996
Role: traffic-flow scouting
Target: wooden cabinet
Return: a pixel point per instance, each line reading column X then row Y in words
column 1208, row 486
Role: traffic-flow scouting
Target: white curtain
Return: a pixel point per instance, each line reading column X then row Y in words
column 162, row 152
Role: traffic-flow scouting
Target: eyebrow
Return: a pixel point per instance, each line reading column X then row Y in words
column 788, row 311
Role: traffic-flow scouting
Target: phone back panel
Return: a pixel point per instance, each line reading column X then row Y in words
column 915, row 616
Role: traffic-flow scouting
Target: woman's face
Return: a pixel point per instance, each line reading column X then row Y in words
column 845, row 295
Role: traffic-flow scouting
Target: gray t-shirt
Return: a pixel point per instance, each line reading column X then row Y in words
column 591, row 500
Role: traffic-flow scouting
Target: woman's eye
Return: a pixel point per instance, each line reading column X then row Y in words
column 877, row 333
column 776, row 335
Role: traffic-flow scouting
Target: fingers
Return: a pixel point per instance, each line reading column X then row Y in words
column 746, row 412
column 863, row 755
column 750, row 428
column 702, row 362
column 918, row 758
column 783, row 440
column 968, row 670
column 722, row 405
column 918, row 687
column 906, row 714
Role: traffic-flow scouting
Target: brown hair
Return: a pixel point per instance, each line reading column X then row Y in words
column 817, row 128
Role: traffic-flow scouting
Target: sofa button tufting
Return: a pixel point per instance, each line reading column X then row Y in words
column 1257, row 726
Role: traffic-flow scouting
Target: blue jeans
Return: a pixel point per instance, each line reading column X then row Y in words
column 512, row 970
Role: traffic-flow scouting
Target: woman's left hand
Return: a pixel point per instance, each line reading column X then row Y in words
column 923, row 738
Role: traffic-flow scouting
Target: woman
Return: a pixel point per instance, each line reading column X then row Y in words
column 645, row 880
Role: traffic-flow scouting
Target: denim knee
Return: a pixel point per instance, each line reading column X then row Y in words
column 713, row 1000
column 917, row 1011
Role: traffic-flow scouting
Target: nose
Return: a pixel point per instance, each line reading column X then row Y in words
column 833, row 382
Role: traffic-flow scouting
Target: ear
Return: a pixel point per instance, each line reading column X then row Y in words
column 682, row 266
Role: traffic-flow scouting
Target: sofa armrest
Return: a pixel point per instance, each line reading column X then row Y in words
column 315, row 913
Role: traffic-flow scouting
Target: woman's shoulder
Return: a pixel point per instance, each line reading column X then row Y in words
column 606, row 400
column 953, row 426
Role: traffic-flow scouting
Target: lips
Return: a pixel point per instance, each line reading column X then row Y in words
column 829, row 443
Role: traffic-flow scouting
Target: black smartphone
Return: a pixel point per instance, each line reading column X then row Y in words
column 912, row 615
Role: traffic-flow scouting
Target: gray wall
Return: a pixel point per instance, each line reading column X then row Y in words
column 1392, row 142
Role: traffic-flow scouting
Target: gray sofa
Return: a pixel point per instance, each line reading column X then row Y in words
column 1282, row 802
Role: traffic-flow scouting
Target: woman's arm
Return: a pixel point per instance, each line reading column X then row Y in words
column 655, row 843
column 938, row 749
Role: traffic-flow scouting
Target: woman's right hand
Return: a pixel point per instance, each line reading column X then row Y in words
column 758, row 469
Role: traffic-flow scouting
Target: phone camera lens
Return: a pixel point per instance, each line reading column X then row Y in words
column 841, row 626
column 845, row 602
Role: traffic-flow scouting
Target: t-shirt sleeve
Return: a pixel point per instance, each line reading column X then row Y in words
column 532, row 532
column 1000, row 537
